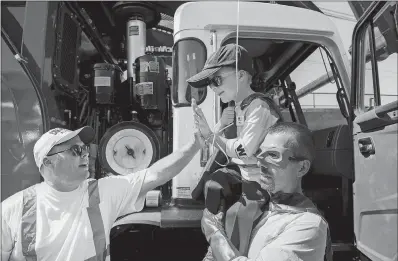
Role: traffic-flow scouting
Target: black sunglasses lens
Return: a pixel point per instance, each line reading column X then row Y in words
column 78, row 150
column 216, row 81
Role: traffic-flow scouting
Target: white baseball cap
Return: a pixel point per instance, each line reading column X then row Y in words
column 57, row 136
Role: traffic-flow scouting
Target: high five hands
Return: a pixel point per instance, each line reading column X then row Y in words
column 200, row 121
column 199, row 137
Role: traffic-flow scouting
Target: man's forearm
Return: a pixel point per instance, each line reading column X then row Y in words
column 169, row 166
column 222, row 248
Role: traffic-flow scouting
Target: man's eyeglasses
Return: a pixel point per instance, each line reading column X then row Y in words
column 77, row 150
column 276, row 155
column 216, row 81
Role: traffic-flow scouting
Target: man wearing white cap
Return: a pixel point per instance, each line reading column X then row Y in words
column 68, row 216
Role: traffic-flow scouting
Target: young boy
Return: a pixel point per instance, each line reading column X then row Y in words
column 253, row 115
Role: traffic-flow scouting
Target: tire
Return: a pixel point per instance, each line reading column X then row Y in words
column 115, row 154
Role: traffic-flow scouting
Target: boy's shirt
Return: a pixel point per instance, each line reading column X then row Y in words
column 252, row 123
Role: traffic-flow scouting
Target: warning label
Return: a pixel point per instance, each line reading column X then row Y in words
column 144, row 88
column 183, row 192
column 134, row 30
column 152, row 66
column 102, row 81
column 144, row 67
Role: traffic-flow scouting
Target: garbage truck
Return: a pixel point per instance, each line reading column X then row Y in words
column 121, row 67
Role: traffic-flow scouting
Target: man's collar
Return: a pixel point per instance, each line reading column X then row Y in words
column 296, row 200
column 285, row 198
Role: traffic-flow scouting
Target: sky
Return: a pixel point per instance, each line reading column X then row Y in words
column 312, row 69
column 345, row 27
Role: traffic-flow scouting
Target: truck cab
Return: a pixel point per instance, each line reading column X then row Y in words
column 287, row 55
column 300, row 63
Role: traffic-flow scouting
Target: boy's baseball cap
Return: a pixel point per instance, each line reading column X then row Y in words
column 223, row 57
column 57, row 136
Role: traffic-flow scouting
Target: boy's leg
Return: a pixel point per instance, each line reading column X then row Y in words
column 222, row 185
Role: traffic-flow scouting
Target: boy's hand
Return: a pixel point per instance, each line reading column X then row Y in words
column 200, row 120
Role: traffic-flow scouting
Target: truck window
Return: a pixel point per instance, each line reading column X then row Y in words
column 189, row 57
column 21, row 120
column 12, row 21
column 316, row 89
column 379, row 80
column 14, row 11
column 21, row 126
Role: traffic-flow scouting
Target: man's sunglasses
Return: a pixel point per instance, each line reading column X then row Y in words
column 77, row 150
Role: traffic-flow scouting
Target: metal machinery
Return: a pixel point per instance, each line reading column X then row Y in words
column 126, row 99
column 138, row 136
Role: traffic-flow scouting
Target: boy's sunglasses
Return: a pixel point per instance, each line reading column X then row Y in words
column 216, row 81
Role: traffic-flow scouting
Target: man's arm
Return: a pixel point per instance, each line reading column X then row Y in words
column 222, row 248
column 126, row 194
column 213, row 229
column 209, row 255
column 169, row 166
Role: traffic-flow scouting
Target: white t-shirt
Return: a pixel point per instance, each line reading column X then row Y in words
column 63, row 229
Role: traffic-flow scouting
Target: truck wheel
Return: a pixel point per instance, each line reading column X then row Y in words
column 128, row 147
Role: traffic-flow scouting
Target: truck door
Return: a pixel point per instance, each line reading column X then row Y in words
column 375, row 109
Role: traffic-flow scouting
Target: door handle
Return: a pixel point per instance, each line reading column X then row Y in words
column 366, row 146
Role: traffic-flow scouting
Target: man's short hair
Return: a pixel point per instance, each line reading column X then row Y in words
column 301, row 142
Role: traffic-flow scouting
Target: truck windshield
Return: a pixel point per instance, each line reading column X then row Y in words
column 21, row 124
column 189, row 57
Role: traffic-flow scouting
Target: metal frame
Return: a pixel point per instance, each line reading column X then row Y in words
column 356, row 65
column 91, row 32
column 11, row 41
column 59, row 62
